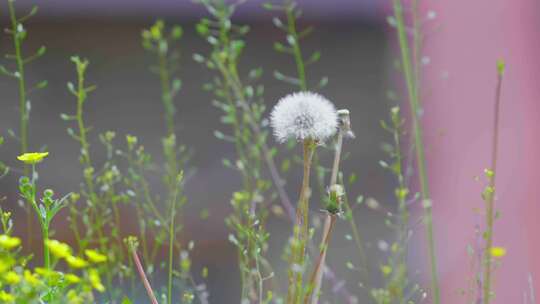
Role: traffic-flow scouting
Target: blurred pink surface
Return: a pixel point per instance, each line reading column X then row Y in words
column 458, row 127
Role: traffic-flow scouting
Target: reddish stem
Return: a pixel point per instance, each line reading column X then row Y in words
column 146, row 283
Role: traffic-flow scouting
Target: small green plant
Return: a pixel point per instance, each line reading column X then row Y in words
column 394, row 270
column 45, row 208
column 410, row 65
column 242, row 104
column 100, row 212
column 20, row 284
column 19, row 33
column 489, row 195
column 123, row 178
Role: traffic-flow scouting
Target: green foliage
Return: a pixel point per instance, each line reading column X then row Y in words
column 242, row 105
column 122, row 183
column 47, row 207
column 21, row 284
column 292, row 45
column 410, row 50
column 4, row 169
column 394, row 270
column 160, row 41
column 18, row 33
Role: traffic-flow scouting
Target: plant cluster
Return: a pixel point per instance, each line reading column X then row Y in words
column 108, row 264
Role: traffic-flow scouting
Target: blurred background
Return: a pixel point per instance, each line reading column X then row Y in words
column 462, row 44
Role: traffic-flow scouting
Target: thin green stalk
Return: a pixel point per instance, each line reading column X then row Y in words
column 414, row 102
column 357, row 237
column 166, row 93
column 490, row 213
column 171, row 241
column 46, row 254
column 22, row 83
column 297, row 52
column 81, row 94
column 43, row 222
column 23, row 110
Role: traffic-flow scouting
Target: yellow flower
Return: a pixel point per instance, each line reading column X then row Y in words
column 32, row 158
column 58, row 249
column 12, row 278
column 31, row 278
column 94, row 256
column 497, row 252
column 7, row 242
column 74, row 297
column 6, row 297
column 72, row 279
column 386, row 270
column 76, row 262
column 6, row 263
column 93, row 275
column 47, row 273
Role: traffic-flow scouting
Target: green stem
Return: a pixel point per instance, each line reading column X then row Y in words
column 315, row 281
column 46, row 255
column 22, row 84
column 490, row 213
column 297, row 52
column 23, row 110
column 417, row 130
column 166, row 93
column 301, row 230
column 171, row 246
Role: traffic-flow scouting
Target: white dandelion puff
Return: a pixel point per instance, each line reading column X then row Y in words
column 304, row 115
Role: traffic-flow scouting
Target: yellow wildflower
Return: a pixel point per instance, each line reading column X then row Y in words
column 72, row 279
column 93, row 275
column 6, row 263
column 6, row 297
column 32, row 158
column 94, row 256
column 47, row 273
column 386, row 270
column 58, row 249
column 76, row 262
column 497, row 252
column 31, row 278
column 74, row 297
column 7, row 242
column 12, row 278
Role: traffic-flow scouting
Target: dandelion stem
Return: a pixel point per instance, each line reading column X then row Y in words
column 414, row 102
column 298, row 248
column 315, row 283
column 490, row 212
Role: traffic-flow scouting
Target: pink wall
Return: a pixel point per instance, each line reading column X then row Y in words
column 458, row 124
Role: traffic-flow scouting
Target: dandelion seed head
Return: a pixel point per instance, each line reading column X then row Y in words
column 383, row 245
column 304, row 115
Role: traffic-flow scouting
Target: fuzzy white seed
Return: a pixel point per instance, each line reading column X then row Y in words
column 304, row 115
